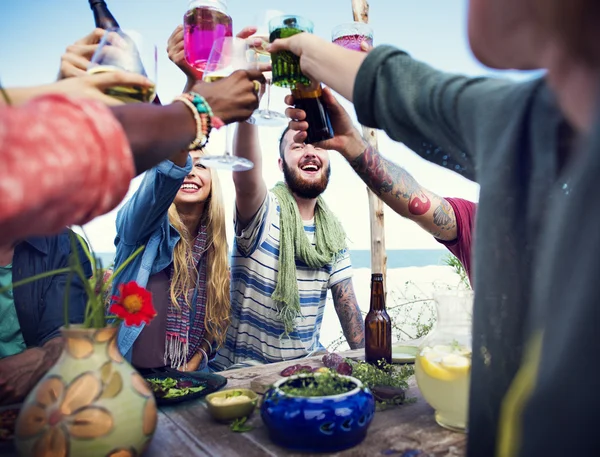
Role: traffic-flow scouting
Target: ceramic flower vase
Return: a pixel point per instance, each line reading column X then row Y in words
column 92, row 403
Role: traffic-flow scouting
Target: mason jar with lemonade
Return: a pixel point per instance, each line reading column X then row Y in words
column 443, row 364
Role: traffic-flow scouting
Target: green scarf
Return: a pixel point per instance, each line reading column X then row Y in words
column 330, row 240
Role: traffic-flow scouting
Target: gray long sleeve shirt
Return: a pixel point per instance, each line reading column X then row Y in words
column 509, row 137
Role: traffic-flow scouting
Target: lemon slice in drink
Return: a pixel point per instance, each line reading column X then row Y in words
column 444, row 365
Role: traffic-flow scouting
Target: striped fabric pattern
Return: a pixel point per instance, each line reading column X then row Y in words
column 254, row 336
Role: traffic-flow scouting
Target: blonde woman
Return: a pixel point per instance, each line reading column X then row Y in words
column 178, row 214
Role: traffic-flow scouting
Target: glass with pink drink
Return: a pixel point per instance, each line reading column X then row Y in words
column 204, row 22
column 352, row 34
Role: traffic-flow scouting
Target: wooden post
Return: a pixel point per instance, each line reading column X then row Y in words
column 360, row 12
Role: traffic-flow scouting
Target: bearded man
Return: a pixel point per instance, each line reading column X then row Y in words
column 289, row 250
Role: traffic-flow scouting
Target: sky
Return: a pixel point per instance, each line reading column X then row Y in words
column 34, row 34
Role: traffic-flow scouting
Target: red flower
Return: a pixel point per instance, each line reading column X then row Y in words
column 133, row 304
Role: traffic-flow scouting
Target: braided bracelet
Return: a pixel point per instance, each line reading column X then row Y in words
column 203, row 125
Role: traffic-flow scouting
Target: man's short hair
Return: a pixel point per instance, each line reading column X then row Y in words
column 281, row 142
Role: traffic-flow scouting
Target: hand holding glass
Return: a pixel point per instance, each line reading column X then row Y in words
column 118, row 51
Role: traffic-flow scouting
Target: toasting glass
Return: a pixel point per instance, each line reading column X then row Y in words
column 265, row 117
column 120, row 51
column 228, row 55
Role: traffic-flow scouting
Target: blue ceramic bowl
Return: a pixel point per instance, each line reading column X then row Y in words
column 318, row 424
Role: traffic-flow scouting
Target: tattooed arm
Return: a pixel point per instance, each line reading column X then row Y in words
column 349, row 314
column 401, row 192
column 392, row 184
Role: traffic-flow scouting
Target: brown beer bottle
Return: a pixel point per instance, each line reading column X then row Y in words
column 378, row 326
column 317, row 116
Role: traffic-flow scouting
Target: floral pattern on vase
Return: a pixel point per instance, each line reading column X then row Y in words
column 91, row 402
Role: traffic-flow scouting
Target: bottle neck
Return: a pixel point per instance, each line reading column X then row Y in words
column 102, row 16
column 377, row 295
column 302, row 91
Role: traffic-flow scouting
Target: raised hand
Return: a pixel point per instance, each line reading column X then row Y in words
column 346, row 135
column 234, row 98
column 75, row 60
column 93, row 86
column 176, row 54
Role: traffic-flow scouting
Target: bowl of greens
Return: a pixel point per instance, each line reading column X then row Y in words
column 176, row 387
column 231, row 404
column 318, row 412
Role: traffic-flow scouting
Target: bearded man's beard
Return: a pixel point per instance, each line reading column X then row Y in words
column 303, row 188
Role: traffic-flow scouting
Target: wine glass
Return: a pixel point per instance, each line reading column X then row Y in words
column 351, row 34
column 120, row 51
column 265, row 117
column 228, row 55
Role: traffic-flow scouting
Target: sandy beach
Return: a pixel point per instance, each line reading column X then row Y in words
column 409, row 294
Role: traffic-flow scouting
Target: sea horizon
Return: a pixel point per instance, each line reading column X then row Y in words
column 361, row 258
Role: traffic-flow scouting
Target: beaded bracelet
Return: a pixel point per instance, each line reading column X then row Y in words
column 203, row 107
column 203, row 125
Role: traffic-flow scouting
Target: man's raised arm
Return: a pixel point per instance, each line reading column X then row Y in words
column 250, row 187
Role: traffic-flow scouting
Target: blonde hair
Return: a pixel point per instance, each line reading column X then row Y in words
column 218, row 304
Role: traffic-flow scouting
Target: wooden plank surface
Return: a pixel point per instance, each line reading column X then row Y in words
column 187, row 430
column 393, row 431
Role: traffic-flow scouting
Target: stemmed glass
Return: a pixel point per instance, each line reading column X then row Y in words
column 228, row 55
column 120, row 51
column 265, row 117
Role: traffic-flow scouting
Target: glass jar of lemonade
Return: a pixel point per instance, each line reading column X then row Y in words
column 443, row 364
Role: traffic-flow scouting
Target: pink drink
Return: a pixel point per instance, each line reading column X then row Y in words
column 353, row 41
column 203, row 26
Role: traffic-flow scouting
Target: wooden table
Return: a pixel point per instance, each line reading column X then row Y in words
column 188, row 430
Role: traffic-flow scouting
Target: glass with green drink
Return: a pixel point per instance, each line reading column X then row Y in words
column 286, row 66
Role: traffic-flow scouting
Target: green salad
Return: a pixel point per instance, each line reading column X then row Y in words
column 172, row 388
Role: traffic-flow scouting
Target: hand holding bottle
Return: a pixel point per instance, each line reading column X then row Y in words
column 94, row 86
column 346, row 140
column 75, row 60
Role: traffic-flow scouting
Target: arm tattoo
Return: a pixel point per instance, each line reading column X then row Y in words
column 441, row 215
column 383, row 176
column 349, row 314
column 444, row 218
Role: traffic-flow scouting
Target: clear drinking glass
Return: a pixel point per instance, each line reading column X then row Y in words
column 228, row 55
column 286, row 65
column 265, row 117
column 351, row 34
column 443, row 364
column 121, row 51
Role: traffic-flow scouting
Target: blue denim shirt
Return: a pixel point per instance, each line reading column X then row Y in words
column 144, row 220
column 39, row 304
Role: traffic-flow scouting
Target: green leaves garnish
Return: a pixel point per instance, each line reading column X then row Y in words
column 239, row 425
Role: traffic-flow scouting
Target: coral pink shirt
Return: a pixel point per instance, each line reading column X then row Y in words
column 64, row 162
